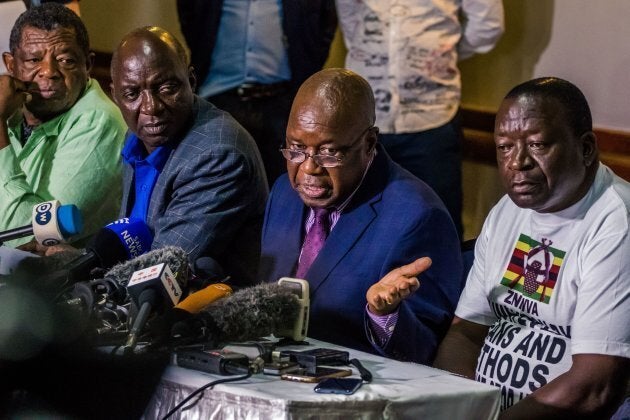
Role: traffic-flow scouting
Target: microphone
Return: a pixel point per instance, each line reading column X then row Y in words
column 197, row 301
column 156, row 284
column 148, row 288
column 52, row 224
column 118, row 241
column 299, row 287
column 246, row 315
column 175, row 257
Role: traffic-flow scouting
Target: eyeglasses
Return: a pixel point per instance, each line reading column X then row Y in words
column 325, row 161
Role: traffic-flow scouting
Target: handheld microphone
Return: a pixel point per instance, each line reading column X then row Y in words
column 52, row 224
column 116, row 242
column 148, row 288
column 298, row 330
column 155, row 285
column 175, row 257
column 159, row 279
column 197, row 301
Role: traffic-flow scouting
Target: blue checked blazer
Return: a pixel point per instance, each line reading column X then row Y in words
column 210, row 197
column 393, row 219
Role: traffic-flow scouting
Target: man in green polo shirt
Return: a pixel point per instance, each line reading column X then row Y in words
column 60, row 136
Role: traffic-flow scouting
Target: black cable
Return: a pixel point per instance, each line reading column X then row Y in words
column 203, row 388
column 366, row 375
column 194, row 403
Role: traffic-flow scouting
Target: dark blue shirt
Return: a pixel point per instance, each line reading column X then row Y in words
column 250, row 47
column 146, row 171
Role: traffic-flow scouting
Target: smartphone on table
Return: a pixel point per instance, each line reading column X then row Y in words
column 303, row 375
column 344, row 386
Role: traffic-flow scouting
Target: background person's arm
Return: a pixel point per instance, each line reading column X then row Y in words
column 461, row 347
column 13, row 95
column 482, row 26
column 593, row 387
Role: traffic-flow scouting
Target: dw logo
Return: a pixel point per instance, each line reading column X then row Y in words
column 42, row 213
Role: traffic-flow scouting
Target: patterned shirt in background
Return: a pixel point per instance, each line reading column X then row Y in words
column 408, row 52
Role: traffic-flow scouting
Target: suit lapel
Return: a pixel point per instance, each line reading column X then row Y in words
column 125, row 208
column 289, row 225
column 342, row 238
column 353, row 222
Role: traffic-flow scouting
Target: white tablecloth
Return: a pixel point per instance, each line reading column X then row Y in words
column 399, row 390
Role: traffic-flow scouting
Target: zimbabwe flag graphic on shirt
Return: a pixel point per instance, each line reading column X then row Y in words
column 533, row 268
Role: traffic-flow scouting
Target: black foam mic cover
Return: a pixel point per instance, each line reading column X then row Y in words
column 248, row 314
column 107, row 248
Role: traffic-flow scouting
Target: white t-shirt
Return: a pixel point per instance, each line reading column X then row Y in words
column 550, row 286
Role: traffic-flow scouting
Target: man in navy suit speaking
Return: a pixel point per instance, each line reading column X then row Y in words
column 348, row 219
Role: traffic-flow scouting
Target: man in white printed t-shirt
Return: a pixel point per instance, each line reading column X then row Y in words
column 545, row 314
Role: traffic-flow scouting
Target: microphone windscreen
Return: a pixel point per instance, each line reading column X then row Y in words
column 197, row 301
column 107, row 249
column 254, row 312
column 120, row 241
column 134, row 235
column 70, row 220
column 175, row 257
column 53, row 223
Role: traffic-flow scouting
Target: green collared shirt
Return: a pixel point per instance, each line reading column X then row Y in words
column 74, row 158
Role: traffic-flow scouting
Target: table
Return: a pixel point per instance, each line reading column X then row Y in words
column 399, row 390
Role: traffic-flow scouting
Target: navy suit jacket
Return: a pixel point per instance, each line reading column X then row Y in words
column 393, row 219
column 210, row 197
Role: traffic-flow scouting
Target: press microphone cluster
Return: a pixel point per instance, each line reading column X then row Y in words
column 52, row 224
column 52, row 276
column 156, row 283
column 104, row 304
